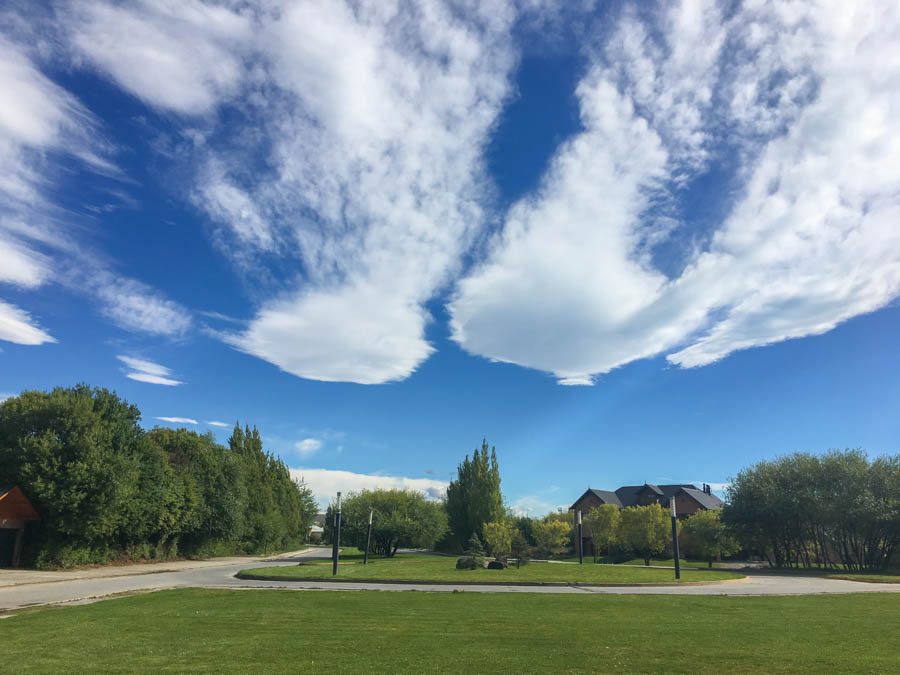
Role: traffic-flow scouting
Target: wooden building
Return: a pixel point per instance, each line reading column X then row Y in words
column 15, row 511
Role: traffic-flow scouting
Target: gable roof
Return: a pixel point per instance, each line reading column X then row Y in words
column 705, row 500
column 14, row 505
column 606, row 496
column 629, row 495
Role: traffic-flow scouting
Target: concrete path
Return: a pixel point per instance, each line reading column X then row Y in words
column 222, row 576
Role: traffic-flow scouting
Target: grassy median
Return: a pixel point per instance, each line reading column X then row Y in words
column 199, row 630
column 440, row 569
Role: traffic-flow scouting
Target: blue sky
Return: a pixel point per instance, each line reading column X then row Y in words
column 625, row 242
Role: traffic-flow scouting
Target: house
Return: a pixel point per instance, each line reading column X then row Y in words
column 15, row 510
column 688, row 498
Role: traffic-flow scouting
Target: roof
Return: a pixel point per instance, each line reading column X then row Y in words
column 14, row 505
column 606, row 496
column 629, row 495
column 708, row 501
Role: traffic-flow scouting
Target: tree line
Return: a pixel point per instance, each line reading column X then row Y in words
column 803, row 510
column 107, row 489
column 839, row 508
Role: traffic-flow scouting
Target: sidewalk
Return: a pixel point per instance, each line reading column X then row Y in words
column 17, row 577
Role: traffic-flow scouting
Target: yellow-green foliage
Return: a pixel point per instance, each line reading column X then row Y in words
column 645, row 530
column 551, row 535
column 706, row 536
column 498, row 537
column 601, row 524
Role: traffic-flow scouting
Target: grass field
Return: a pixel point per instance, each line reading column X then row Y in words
column 200, row 630
column 663, row 562
column 435, row 568
column 871, row 578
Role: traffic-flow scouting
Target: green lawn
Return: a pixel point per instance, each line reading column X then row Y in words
column 260, row 631
column 434, row 568
column 862, row 576
column 664, row 562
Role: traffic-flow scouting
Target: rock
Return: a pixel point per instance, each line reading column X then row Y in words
column 497, row 565
column 465, row 563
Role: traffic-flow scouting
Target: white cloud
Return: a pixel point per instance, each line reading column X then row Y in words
column 147, row 371
column 375, row 146
column 535, row 505
column 182, row 55
column 4, row 396
column 326, row 483
column 136, row 307
column 308, row 446
column 811, row 240
column 40, row 123
column 22, row 266
column 16, row 325
column 214, row 423
column 177, row 420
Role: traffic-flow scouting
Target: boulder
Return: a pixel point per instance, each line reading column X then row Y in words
column 497, row 565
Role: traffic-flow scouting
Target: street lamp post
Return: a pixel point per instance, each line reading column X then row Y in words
column 580, row 541
column 337, row 536
column 675, row 539
column 368, row 538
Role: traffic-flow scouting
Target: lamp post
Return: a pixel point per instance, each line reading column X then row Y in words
column 337, row 536
column 368, row 538
column 580, row 541
column 675, row 539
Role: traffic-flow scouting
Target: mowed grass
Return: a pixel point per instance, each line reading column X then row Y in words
column 273, row 631
column 863, row 576
column 436, row 568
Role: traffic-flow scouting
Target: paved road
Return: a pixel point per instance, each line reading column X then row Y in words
column 15, row 597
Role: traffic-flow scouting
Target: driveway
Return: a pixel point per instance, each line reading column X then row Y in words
column 222, row 576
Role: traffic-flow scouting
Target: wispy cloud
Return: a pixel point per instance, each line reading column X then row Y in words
column 308, row 446
column 148, row 371
column 16, row 325
column 215, row 423
column 177, row 420
column 799, row 100
column 325, row 483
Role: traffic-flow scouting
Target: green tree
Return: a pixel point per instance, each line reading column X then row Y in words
column 498, row 537
column 601, row 524
column 707, row 537
column 402, row 518
column 645, row 530
column 551, row 535
column 805, row 510
column 474, row 497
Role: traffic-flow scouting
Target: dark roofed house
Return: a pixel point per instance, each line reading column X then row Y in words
column 688, row 499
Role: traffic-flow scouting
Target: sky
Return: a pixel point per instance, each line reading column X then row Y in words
column 624, row 242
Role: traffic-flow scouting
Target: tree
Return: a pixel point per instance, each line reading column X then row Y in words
column 402, row 518
column 805, row 510
column 79, row 454
column 707, row 537
column 644, row 530
column 551, row 535
column 474, row 497
column 498, row 537
column 601, row 525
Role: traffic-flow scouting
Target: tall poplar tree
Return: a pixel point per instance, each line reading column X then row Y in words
column 474, row 498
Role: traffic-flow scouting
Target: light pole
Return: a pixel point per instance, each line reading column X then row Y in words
column 337, row 536
column 580, row 541
column 368, row 538
column 675, row 538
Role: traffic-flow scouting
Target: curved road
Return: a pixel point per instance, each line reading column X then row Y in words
column 82, row 589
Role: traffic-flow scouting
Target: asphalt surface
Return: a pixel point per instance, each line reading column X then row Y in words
column 79, row 590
